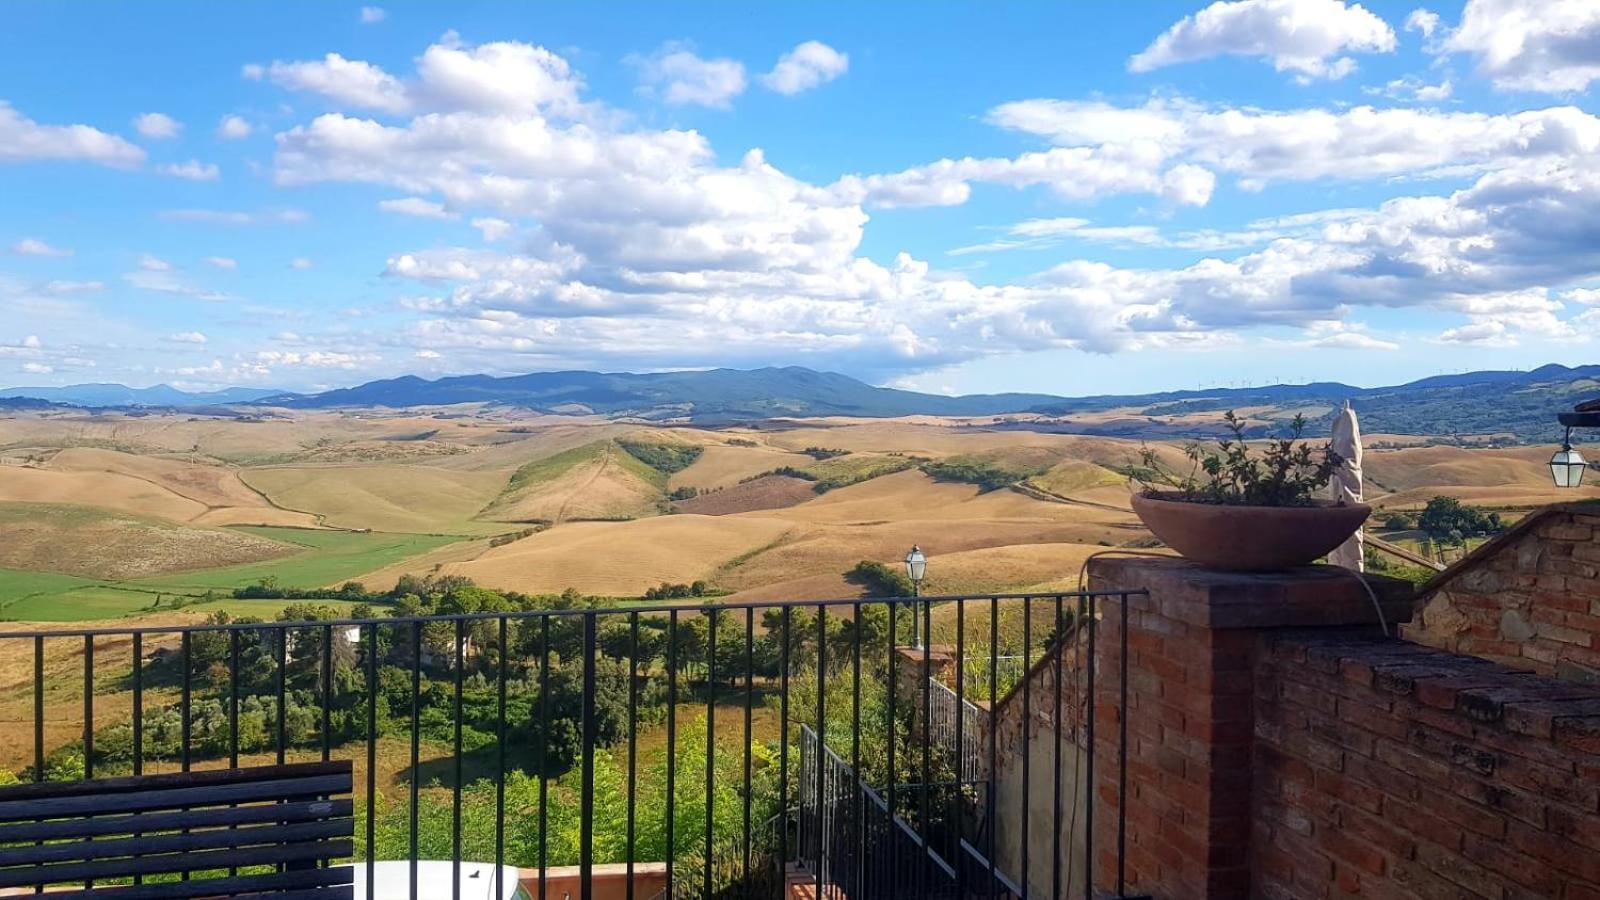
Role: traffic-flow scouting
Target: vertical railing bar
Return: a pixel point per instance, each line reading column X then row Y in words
column 749, row 707
column 280, row 687
column 372, row 757
column 858, row 799
column 924, row 811
column 586, row 788
column 185, row 699
column 1055, row 761
column 992, row 793
column 327, row 691
column 1027, row 714
column 138, row 703
column 1122, row 755
column 711, row 736
column 672, row 746
column 416, row 753
column 784, row 619
column 633, row 738
column 88, row 706
column 38, row 708
column 544, row 751
column 821, row 754
column 233, row 699
column 500, row 760
column 455, row 787
column 891, row 684
column 1088, row 767
column 961, row 739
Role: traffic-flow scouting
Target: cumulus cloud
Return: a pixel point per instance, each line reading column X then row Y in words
column 608, row 243
column 222, row 262
column 417, row 207
column 35, row 247
column 808, row 65
column 372, row 15
column 24, row 140
column 187, row 337
column 159, row 276
column 1423, row 20
column 157, row 126
column 1410, row 87
column 233, row 128
column 193, row 170
column 503, row 76
column 1532, row 45
column 678, row 76
column 1306, row 37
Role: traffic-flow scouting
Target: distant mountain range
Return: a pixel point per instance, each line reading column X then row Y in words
column 1516, row 404
column 104, row 395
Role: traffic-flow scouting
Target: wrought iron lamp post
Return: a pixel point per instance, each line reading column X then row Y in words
column 916, row 567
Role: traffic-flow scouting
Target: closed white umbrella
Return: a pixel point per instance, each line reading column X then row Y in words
column 1346, row 485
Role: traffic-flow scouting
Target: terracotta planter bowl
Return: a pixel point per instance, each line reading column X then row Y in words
column 1249, row 538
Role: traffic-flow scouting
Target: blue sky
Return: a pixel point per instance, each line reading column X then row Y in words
column 1066, row 198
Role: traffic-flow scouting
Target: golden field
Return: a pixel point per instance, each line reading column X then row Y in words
column 111, row 514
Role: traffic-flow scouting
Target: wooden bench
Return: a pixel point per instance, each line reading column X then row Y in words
column 281, row 825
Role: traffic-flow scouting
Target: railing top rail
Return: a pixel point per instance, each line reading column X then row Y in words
column 552, row 613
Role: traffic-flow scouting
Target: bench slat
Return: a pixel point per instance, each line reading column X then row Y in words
column 152, row 822
column 152, row 844
column 197, row 778
column 214, row 887
column 180, row 862
column 89, row 804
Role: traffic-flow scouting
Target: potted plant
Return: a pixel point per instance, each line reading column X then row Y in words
column 1245, row 511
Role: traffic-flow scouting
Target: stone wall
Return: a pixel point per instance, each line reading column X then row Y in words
column 1529, row 599
column 1386, row 769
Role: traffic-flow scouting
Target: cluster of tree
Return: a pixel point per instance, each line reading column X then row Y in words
column 742, row 442
column 684, row 492
column 786, row 471
column 269, row 588
column 1399, row 521
column 510, row 537
column 1449, row 521
column 662, row 457
column 668, row 591
column 824, row 452
column 880, row 580
column 988, row 475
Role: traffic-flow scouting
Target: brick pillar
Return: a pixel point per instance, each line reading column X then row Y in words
column 1192, row 646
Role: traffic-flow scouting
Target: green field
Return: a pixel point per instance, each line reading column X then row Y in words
column 328, row 557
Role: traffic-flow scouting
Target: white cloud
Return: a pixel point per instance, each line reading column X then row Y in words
column 151, row 263
column 1487, row 333
column 416, row 206
column 193, row 170
column 32, row 342
column 1532, row 45
column 187, row 337
column 1423, row 20
column 157, row 126
column 35, row 247
column 24, row 140
column 236, row 217
column 678, row 76
column 503, row 76
column 808, row 65
column 300, row 262
column 1410, row 87
column 233, row 128
column 222, row 262
column 343, row 80
column 1301, row 36
column 372, row 15
column 37, row 368
column 1340, row 335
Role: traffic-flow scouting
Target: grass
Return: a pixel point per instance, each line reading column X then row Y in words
column 843, row 471
column 325, row 557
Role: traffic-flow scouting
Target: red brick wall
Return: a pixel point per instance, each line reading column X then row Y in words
column 1387, row 769
column 1531, row 600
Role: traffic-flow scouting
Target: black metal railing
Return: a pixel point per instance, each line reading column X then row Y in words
column 743, row 745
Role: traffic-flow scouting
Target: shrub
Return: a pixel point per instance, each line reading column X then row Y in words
column 1287, row 473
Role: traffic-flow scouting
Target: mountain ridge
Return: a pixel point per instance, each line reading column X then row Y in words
column 1521, row 404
